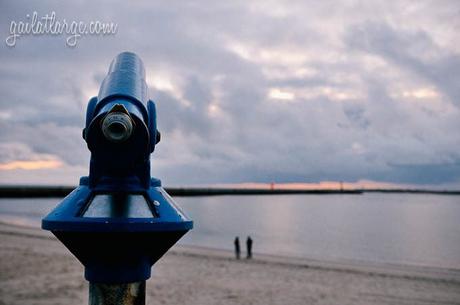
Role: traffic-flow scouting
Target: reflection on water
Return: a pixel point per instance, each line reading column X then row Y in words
column 26, row 211
column 399, row 228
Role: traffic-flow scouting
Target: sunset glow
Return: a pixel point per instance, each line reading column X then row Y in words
column 321, row 185
column 31, row 165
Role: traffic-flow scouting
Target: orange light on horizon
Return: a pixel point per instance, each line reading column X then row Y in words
column 31, row 165
column 323, row 185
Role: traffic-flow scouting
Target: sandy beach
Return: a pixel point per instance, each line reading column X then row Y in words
column 36, row 269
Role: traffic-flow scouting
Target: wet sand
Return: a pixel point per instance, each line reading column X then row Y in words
column 36, row 269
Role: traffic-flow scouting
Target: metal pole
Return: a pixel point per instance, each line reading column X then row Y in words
column 117, row 294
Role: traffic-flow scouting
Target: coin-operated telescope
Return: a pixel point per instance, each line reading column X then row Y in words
column 119, row 221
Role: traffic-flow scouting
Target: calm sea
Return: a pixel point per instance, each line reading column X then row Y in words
column 393, row 228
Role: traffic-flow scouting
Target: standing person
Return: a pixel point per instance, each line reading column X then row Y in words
column 249, row 247
column 237, row 247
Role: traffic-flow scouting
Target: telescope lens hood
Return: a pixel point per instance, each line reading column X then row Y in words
column 117, row 127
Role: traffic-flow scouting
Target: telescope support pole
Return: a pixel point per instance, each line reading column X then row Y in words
column 117, row 294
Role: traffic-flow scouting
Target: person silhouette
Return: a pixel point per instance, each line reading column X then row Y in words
column 249, row 247
column 237, row 247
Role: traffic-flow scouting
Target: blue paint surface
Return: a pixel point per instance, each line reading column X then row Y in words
column 119, row 249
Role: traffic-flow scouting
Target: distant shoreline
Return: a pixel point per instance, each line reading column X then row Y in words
column 18, row 191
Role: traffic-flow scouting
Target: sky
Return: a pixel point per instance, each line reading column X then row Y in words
column 246, row 91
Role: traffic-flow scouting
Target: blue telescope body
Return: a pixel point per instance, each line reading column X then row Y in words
column 119, row 221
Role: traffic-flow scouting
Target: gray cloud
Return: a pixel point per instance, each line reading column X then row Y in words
column 412, row 51
column 211, row 69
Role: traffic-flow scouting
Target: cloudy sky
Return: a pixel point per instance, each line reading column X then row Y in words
column 246, row 91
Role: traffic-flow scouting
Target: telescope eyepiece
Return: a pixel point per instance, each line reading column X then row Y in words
column 117, row 127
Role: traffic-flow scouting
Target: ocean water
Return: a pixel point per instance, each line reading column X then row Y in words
column 415, row 229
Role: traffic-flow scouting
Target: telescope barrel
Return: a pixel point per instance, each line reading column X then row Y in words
column 121, row 124
column 126, row 77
